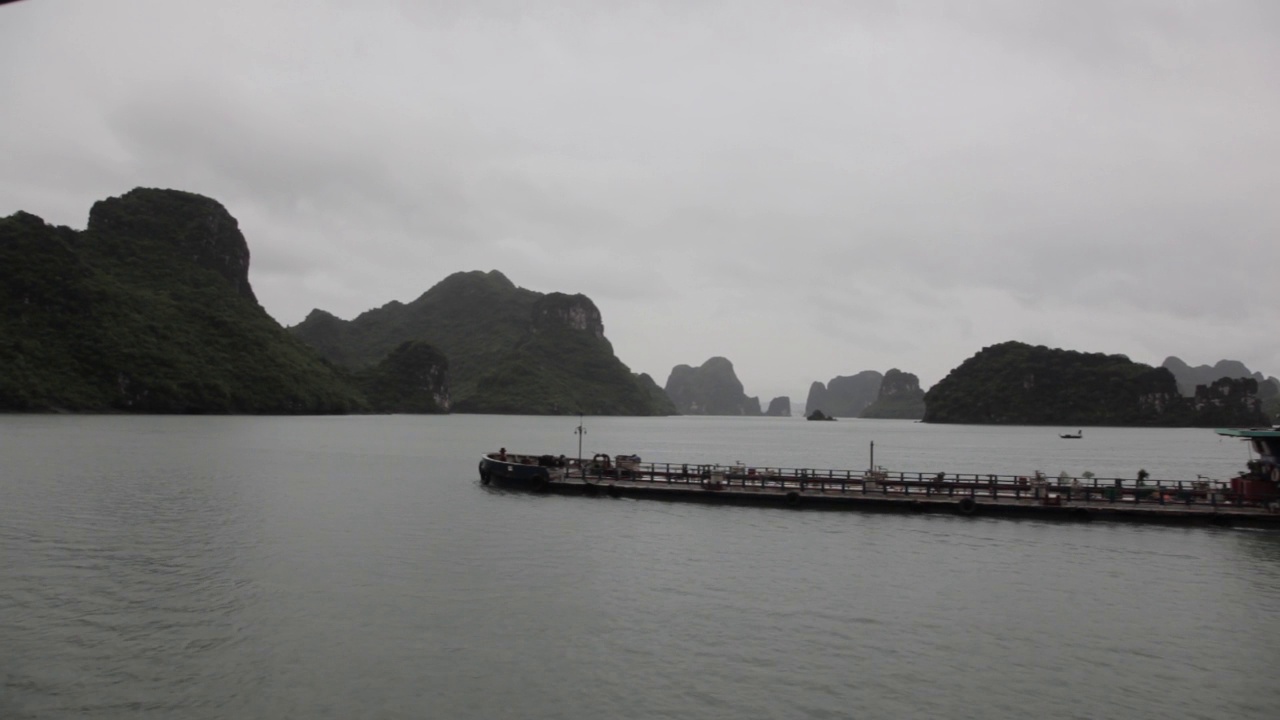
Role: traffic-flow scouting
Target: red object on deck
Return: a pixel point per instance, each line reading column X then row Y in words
column 1252, row 489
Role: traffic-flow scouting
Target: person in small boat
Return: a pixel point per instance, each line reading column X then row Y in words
column 502, row 453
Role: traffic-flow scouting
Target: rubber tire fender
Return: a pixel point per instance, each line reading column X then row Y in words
column 967, row 506
column 484, row 476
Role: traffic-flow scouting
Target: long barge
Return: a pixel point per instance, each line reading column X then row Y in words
column 1250, row 500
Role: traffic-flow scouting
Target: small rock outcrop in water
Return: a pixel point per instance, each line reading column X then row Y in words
column 818, row 415
column 711, row 389
column 900, row 398
column 779, row 407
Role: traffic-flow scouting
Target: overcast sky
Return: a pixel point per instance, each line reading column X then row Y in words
column 809, row 189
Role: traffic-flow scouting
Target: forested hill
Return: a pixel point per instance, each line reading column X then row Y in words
column 510, row 350
column 149, row 309
column 1016, row 383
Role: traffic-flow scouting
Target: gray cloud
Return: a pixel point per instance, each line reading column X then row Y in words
column 808, row 189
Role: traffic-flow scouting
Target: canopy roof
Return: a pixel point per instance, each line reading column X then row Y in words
column 1250, row 432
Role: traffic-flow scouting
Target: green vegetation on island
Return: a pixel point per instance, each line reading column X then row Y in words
column 148, row 309
column 1016, row 383
column 1189, row 378
column 509, row 350
column 410, row 379
column 900, row 398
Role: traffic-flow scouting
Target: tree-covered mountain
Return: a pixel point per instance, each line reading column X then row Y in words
column 712, row 388
column 149, row 309
column 1016, row 383
column 509, row 350
column 899, row 398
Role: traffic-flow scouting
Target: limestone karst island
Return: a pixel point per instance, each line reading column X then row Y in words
column 149, row 309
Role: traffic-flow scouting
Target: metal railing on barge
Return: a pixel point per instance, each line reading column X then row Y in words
column 1035, row 487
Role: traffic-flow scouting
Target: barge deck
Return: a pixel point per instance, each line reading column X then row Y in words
column 1202, row 502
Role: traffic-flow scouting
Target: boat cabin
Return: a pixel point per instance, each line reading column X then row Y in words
column 1262, row 482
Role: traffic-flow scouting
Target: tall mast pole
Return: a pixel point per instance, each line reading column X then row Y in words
column 580, row 431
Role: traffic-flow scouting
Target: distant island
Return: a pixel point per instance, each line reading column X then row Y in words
column 1189, row 378
column 899, row 398
column 1018, row 384
column 510, row 350
column 844, row 395
column 712, row 388
column 779, row 407
column 150, row 310
column 869, row 394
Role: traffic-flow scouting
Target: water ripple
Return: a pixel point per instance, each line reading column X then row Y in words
column 341, row 567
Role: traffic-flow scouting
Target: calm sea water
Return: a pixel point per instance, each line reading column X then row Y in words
column 353, row 567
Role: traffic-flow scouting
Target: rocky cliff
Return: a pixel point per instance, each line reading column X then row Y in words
column 509, row 350
column 899, row 398
column 149, row 309
column 657, row 396
column 413, row 378
column 779, row 407
column 710, row 389
column 845, row 395
column 197, row 228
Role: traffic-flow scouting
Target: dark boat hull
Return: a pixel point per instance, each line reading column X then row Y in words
column 516, row 475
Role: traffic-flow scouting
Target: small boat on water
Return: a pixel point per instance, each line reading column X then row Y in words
column 1068, row 436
